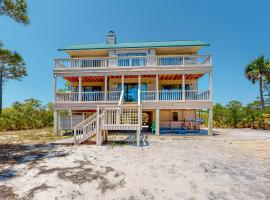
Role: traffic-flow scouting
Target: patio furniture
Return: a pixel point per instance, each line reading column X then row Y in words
column 153, row 127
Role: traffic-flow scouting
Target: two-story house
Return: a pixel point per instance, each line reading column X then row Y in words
column 112, row 84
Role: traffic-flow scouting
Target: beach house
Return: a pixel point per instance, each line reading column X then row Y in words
column 112, row 85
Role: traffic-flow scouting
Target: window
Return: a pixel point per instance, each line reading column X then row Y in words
column 174, row 87
column 124, row 61
column 171, row 61
column 130, row 54
column 91, row 88
column 175, row 116
column 131, row 91
column 171, row 87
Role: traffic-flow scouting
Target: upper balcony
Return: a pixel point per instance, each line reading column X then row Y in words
column 186, row 61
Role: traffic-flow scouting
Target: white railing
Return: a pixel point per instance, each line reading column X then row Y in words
column 70, row 63
column 159, row 61
column 131, row 61
column 113, row 95
column 121, row 100
column 123, row 117
column 92, row 96
column 148, row 95
column 183, row 60
column 87, row 96
column 118, row 96
column 170, row 95
column 74, row 96
column 120, row 117
column 197, row 95
column 85, row 129
column 67, row 96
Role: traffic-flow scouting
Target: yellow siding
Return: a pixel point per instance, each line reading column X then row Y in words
column 151, row 83
column 89, row 84
column 167, row 115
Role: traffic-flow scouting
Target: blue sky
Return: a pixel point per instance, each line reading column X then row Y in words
column 238, row 32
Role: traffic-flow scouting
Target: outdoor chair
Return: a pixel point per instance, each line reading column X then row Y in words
column 153, row 127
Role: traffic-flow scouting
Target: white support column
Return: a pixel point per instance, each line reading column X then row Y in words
column 210, row 122
column 98, row 132
column 55, row 86
column 139, row 86
column 157, row 92
column 157, row 122
column 210, row 86
column 122, row 82
column 139, row 126
column 80, row 89
column 183, row 87
column 139, row 113
column 105, row 87
column 71, row 120
column 56, row 122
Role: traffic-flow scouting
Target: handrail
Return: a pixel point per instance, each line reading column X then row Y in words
column 86, row 120
column 121, row 100
column 118, row 96
column 139, row 97
column 132, row 61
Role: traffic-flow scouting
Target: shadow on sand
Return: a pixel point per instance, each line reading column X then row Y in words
column 14, row 154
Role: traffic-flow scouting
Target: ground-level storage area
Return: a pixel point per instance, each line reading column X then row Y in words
column 170, row 120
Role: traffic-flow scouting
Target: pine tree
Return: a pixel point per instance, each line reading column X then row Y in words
column 12, row 65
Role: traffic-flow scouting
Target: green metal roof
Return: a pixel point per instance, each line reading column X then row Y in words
column 178, row 43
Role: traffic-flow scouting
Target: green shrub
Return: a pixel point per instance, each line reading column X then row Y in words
column 236, row 115
column 26, row 115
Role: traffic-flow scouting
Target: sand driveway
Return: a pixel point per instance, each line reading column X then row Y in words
column 235, row 164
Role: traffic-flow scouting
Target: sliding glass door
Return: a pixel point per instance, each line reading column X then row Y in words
column 131, row 91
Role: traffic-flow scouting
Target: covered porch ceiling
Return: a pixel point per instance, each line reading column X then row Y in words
column 161, row 77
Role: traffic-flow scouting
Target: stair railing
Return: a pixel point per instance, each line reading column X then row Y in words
column 80, row 130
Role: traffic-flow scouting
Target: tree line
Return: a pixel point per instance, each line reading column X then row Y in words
column 29, row 114
column 237, row 115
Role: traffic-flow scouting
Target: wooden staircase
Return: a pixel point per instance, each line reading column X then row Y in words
column 109, row 117
column 85, row 130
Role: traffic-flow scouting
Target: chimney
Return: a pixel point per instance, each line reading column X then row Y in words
column 111, row 38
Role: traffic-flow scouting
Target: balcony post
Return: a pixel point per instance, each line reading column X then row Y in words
column 55, row 87
column 56, row 122
column 105, row 87
column 139, row 112
column 183, row 87
column 98, row 131
column 80, row 89
column 157, row 122
column 157, row 92
column 138, row 137
column 139, row 86
column 210, row 86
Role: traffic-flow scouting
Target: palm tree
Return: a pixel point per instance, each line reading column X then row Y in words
column 258, row 70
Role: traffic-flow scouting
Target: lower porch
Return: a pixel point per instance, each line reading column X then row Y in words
column 154, row 121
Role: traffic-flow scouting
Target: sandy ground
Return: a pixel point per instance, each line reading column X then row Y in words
column 33, row 136
column 234, row 164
